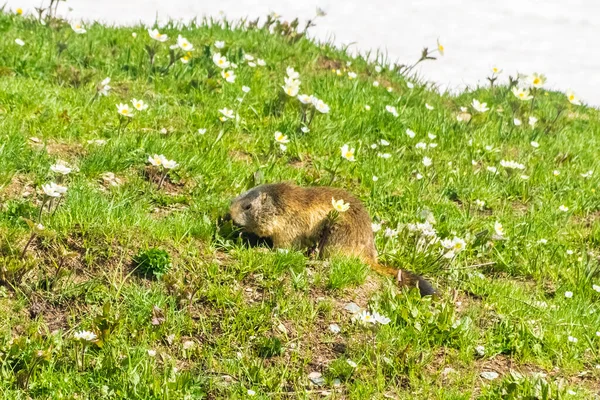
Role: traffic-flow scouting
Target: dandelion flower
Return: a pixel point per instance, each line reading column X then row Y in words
column 156, row 35
column 573, row 99
column 339, row 205
column 78, row 28
column 124, row 110
column 522, row 94
column 496, row 71
column 348, row 153
column 440, row 47
column 220, row 61
column 481, row 107
column 85, row 336
column 281, row 138
column 20, row 42
column 19, row 11
column 139, row 104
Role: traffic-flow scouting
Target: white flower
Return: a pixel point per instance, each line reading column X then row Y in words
column 60, row 168
column 479, row 203
column 281, row 138
column 433, row 145
column 169, row 164
column 587, row 174
column 382, row 319
column 496, row 71
column 348, row 153
column 133, row 35
column 421, row 146
column 517, row 122
column 498, row 229
column 352, row 75
column 572, row 339
column 248, row 57
column 481, row 107
column 104, row 87
column 53, row 190
column 411, row 134
column 139, row 104
column 524, row 177
column 220, row 61
column 568, row 295
column 573, row 99
column 410, row 85
column 427, row 161
column 427, row 106
column 455, row 244
column 229, row 76
column 188, row 344
column 375, row 178
column 282, row 147
column 536, row 80
column 431, row 136
column 493, row 170
column 85, row 335
column 367, row 107
column 156, row 160
column 245, row 89
column 78, row 28
column 305, row 129
column 219, row 44
column 419, row 177
column 305, row 99
column 261, row 62
column 364, row 317
column 556, row 172
column 521, row 93
column 378, row 68
column 321, row 107
column 384, row 155
column 511, row 164
column 392, row 110
column 375, row 227
column 596, row 288
column 251, row 392
column 156, row 35
column 292, row 73
column 390, row 233
column 570, row 252
column 384, row 142
column 532, row 121
column 543, row 241
column 480, row 350
column 20, row 42
column 563, row 208
column 334, row 328
column 151, row 353
column 184, row 44
column 535, row 144
column 375, row 84
column 291, row 88
column 351, row 363
column 339, row 205
column 124, row 110
column 227, row 114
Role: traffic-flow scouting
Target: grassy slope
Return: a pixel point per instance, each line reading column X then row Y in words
column 229, row 300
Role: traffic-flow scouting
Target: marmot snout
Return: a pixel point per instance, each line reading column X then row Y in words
column 296, row 217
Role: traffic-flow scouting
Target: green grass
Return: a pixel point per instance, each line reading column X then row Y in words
column 225, row 318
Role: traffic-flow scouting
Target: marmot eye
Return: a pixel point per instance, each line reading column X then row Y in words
column 247, row 206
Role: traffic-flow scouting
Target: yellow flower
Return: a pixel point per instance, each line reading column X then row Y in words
column 496, row 71
column 19, row 11
column 339, row 205
column 440, row 47
column 124, row 110
column 281, row 138
column 536, row 80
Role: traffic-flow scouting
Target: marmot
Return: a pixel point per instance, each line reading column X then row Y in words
column 297, row 217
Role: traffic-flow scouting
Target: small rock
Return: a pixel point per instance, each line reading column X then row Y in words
column 489, row 375
column 352, row 307
column 316, row 378
column 334, row 328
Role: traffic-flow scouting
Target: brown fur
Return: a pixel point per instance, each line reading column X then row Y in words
column 296, row 217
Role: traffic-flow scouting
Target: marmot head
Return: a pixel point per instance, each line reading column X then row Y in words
column 255, row 211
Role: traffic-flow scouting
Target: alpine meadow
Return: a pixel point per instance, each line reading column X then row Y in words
column 121, row 277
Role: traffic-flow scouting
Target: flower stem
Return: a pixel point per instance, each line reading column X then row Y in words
column 27, row 245
column 42, row 209
column 162, row 179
